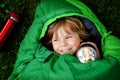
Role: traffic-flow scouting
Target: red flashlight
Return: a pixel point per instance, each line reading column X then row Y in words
column 8, row 27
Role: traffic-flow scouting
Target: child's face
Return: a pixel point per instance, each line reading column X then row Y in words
column 64, row 42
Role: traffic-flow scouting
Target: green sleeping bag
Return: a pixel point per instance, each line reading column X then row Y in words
column 36, row 62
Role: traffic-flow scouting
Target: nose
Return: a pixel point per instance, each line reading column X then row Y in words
column 63, row 43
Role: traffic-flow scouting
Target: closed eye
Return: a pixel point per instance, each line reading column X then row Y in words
column 55, row 40
column 69, row 37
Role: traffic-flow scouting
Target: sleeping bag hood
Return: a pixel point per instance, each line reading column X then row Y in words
column 36, row 62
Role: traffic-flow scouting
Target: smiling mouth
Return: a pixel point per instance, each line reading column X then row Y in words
column 66, row 50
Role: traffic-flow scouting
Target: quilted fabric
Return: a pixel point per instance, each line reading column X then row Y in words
column 36, row 62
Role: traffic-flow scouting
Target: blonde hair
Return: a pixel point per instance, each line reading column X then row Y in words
column 69, row 24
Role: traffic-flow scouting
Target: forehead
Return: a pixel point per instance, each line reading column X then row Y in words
column 63, row 32
column 68, row 28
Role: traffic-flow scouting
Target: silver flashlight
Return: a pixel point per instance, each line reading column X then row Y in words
column 87, row 53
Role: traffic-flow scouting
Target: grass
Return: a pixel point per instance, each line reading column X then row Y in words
column 10, row 48
column 106, row 10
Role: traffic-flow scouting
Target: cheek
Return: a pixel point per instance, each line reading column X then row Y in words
column 55, row 46
column 76, row 45
column 76, row 42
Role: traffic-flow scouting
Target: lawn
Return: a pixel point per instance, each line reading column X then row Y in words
column 107, row 11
